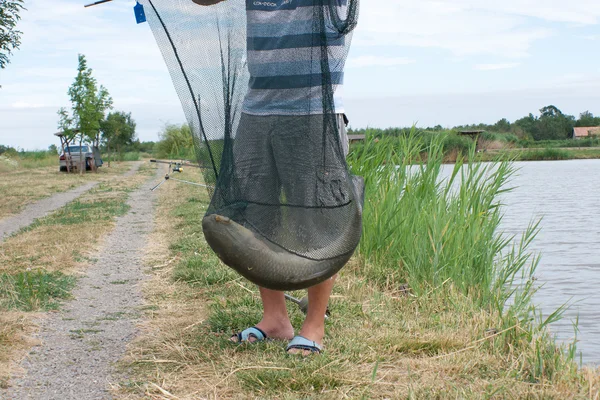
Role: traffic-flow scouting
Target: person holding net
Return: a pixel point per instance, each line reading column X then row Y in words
column 279, row 140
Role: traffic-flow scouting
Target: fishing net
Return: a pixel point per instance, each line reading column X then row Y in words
column 260, row 82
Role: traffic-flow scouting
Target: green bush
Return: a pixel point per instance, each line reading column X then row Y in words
column 452, row 141
column 176, row 142
column 546, row 154
column 130, row 156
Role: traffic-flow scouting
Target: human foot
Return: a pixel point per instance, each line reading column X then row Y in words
column 303, row 346
column 249, row 335
column 308, row 341
column 264, row 330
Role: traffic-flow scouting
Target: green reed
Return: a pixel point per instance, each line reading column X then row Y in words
column 428, row 229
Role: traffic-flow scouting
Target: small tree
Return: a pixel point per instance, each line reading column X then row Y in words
column 10, row 38
column 175, row 142
column 587, row 119
column 554, row 124
column 88, row 105
column 118, row 130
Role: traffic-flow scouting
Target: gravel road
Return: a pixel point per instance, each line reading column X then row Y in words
column 81, row 343
column 41, row 208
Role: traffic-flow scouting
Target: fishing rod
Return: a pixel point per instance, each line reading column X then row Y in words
column 177, row 166
column 303, row 304
column 138, row 9
column 96, row 3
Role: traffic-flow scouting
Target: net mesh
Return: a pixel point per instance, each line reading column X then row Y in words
column 260, row 83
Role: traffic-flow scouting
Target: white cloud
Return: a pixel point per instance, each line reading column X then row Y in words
column 582, row 12
column 375, row 61
column 494, row 67
column 506, row 28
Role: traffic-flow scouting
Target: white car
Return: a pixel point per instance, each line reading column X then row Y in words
column 90, row 155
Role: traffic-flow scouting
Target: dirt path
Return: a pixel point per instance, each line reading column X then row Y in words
column 81, row 343
column 39, row 209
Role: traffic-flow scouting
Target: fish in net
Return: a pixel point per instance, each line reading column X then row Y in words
column 260, row 82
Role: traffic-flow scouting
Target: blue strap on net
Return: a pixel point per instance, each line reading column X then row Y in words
column 140, row 15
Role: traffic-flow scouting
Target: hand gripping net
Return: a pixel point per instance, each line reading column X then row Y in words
column 259, row 94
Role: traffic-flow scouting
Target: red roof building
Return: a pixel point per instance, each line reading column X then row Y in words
column 585, row 132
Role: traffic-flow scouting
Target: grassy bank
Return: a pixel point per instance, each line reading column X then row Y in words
column 421, row 311
column 491, row 146
column 543, row 154
column 20, row 186
column 38, row 265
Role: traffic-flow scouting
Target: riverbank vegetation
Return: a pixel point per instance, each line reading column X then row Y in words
column 548, row 129
column 435, row 304
column 489, row 146
column 552, row 129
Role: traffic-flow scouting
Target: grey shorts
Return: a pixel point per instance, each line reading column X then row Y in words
column 288, row 160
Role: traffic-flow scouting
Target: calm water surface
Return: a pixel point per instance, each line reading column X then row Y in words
column 566, row 195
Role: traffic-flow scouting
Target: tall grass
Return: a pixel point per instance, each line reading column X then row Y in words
column 424, row 229
column 13, row 160
column 440, row 233
column 450, row 141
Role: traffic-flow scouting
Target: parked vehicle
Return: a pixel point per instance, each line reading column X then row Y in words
column 80, row 155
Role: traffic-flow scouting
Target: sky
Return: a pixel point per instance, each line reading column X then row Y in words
column 417, row 62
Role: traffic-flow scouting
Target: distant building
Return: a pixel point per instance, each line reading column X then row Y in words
column 586, row 132
column 356, row 138
column 473, row 134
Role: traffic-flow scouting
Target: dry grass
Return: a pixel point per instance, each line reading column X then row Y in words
column 382, row 343
column 14, row 330
column 53, row 249
column 20, row 187
column 68, row 237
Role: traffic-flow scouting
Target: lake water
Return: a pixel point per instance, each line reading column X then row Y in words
column 566, row 195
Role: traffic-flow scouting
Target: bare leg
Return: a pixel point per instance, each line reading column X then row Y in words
column 314, row 324
column 275, row 322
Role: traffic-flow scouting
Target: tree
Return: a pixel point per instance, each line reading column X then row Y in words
column 502, row 126
column 554, row 125
column 587, row 119
column 175, row 142
column 10, row 38
column 528, row 125
column 88, row 106
column 118, row 130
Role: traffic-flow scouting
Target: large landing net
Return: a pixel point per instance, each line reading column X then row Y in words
column 260, row 83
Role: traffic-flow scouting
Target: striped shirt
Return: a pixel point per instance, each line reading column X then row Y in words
column 284, row 59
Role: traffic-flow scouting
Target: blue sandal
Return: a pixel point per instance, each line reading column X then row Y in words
column 302, row 343
column 244, row 336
